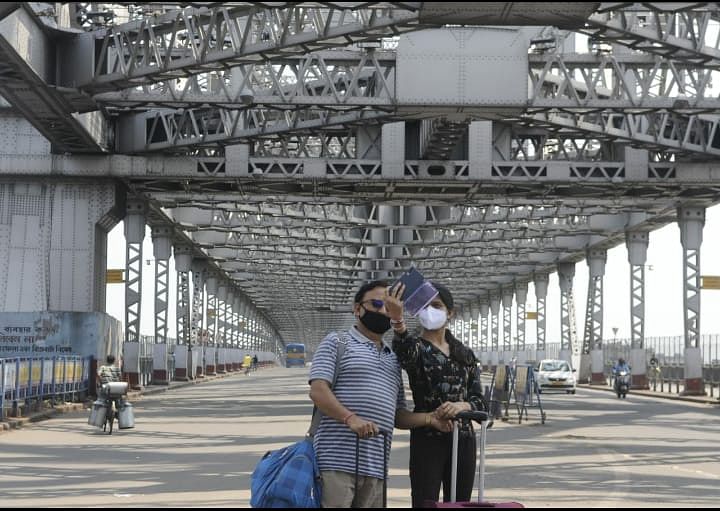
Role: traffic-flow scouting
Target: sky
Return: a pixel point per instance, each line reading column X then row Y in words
column 663, row 287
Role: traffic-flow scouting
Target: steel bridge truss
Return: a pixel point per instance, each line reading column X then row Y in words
column 265, row 140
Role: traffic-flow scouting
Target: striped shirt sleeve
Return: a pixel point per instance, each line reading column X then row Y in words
column 323, row 363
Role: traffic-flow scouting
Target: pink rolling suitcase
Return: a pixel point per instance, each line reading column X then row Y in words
column 482, row 418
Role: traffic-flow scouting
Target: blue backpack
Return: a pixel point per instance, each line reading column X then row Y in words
column 287, row 477
column 290, row 477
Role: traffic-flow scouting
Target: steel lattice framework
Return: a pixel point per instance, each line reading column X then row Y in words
column 294, row 148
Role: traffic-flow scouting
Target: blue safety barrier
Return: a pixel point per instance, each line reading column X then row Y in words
column 26, row 380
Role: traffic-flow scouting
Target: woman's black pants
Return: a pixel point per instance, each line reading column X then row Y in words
column 431, row 464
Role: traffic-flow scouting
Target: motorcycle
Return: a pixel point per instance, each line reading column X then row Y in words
column 622, row 383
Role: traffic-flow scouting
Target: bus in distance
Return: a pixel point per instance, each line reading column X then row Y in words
column 295, row 355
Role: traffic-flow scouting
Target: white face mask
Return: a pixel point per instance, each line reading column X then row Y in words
column 431, row 318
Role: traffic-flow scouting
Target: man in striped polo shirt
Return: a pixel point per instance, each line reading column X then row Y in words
column 368, row 397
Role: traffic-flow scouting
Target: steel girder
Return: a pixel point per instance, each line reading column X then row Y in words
column 271, row 257
column 7, row 8
column 192, row 40
column 656, row 97
column 190, row 129
column 24, row 78
column 189, row 41
column 291, row 257
column 679, row 31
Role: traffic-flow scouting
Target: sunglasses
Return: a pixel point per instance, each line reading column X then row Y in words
column 378, row 304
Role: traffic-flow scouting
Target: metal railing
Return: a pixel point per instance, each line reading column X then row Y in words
column 26, row 381
column 668, row 375
column 146, row 359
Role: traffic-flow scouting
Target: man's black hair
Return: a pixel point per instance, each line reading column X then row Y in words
column 369, row 287
column 110, row 359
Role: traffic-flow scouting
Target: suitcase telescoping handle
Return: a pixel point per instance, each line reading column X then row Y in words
column 482, row 418
column 477, row 416
column 384, row 435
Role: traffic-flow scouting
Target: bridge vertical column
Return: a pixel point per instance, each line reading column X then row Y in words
column 381, row 254
column 134, row 236
column 256, row 329
column 365, row 212
column 637, row 245
column 237, row 329
column 245, row 345
column 378, row 238
column 591, row 357
column 53, row 245
column 691, row 221
column 507, row 300
column 162, row 247
column 566, row 273
column 243, row 342
column 231, row 332
column 521, row 289
column 393, row 252
column 475, row 330
column 415, row 217
column 183, row 261
column 240, row 348
column 495, row 330
column 541, row 281
column 222, row 327
column 467, row 326
column 484, row 351
column 198, row 270
column 248, row 324
column 212, row 314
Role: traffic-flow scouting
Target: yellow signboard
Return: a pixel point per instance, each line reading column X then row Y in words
column 531, row 315
column 114, row 276
column 710, row 282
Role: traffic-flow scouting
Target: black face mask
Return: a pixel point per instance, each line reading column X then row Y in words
column 375, row 322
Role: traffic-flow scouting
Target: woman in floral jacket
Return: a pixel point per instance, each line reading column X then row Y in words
column 445, row 380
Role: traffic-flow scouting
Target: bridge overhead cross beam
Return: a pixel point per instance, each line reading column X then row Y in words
column 26, row 78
